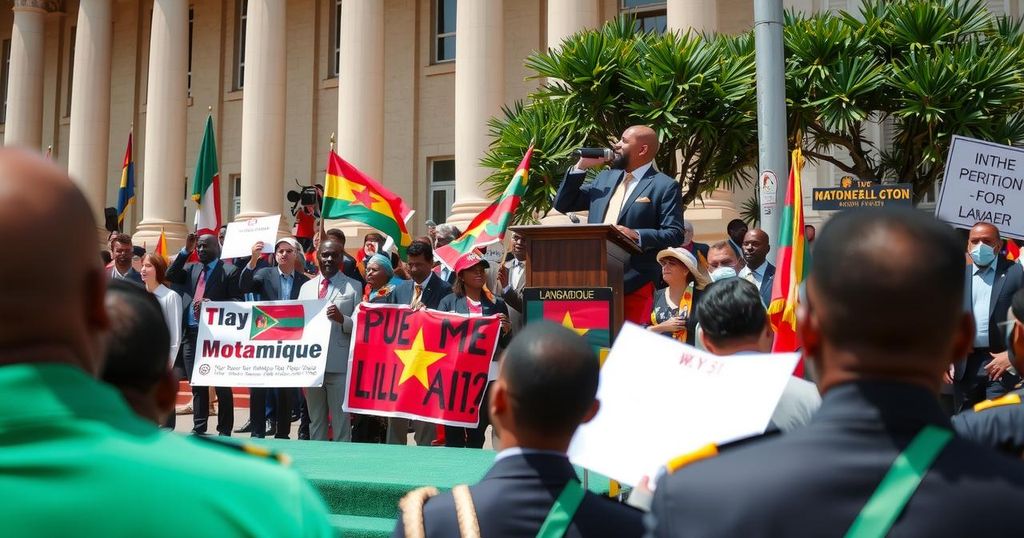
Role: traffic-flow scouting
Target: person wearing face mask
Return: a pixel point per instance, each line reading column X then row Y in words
column 999, row 423
column 991, row 282
column 723, row 262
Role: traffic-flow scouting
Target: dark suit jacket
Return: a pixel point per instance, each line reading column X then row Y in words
column 454, row 303
column 436, row 290
column 1009, row 278
column 766, row 284
column 813, row 481
column 221, row 284
column 515, row 496
column 131, row 276
column 267, row 283
column 659, row 221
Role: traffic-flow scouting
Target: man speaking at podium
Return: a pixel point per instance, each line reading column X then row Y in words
column 640, row 201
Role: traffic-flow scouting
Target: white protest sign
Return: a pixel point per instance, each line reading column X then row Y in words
column 495, row 253
column 262, row 344
column 661, row 398
column 241, row 236
column 983, row 182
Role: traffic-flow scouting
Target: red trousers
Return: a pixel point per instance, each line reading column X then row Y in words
column 638, row 305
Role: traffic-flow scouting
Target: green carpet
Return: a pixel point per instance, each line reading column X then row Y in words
column 362, row 483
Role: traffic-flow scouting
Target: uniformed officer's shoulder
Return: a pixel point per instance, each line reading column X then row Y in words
column 248, row 449
column 1011, row 399
column 711, row 450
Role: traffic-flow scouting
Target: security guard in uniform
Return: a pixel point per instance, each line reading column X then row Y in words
column 882, row 322
column 999, row 423
column 544, row 391
column 74, row 459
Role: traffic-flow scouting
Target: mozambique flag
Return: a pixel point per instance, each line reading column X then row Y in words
column 589, row 319
column 1012, row 250
column 161, row 246
column 790, row 263
column 351, row 194
column 206, row 184
column 126, row 190
column 490, row 225
column 277, row 322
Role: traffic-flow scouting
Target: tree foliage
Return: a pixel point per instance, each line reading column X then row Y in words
column 927, row 68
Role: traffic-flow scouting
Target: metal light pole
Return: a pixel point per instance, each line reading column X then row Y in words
column 771, row 114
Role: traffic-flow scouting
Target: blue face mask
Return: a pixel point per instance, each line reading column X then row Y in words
column 983, row 255
column 722, row 273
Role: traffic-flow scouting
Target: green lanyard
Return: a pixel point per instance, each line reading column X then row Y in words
column 562, row 512
column 899, row 484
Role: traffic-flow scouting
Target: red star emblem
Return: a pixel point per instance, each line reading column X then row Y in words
column 364, row 197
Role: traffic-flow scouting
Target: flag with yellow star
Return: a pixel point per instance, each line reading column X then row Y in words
column 420, row 364
column 351, row 194
column 588, row 315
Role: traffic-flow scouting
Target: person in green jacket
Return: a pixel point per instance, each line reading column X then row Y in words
column 74, row 459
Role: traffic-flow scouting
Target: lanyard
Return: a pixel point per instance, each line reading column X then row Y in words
column 562, row 512
column 899, row 484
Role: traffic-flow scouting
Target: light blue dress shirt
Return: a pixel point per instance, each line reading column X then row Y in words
column 286, row 285
column 981, row 299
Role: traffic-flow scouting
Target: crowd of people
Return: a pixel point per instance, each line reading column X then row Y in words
column 910, row 419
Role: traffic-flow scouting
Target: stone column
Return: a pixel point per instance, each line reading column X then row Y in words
column 700, row 15
column 566, row 17
column 163, row 185
column 361, row 94
column 88, row 142
column 25, row 82
column 263, row 111
column 479, row 94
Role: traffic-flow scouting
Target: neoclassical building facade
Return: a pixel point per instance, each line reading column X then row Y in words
column 406, row 86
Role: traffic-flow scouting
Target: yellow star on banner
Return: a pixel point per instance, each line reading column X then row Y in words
column 416, row 360
column 567, row 323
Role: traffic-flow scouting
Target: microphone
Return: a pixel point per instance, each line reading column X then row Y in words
column 594, row 153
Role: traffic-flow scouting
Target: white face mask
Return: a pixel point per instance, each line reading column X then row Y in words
column 722, row 273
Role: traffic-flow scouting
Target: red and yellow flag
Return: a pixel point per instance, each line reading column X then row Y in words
column 161, row 246
column 790, row 263
column 1012, row 250
column 351, row 194
column 491, row 224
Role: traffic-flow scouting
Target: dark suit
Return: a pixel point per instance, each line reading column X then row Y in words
column 455, row 436
column 970, row 380
column 658, row 220
column 267, row 283
column 998, row 424
column 813, row 481
column 131, row 276
column 434, row 290
column 696, row 248
column 515, row 496
column 766, row 283
column 221, row 285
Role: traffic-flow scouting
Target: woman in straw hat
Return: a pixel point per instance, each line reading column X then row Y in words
column 675, row 305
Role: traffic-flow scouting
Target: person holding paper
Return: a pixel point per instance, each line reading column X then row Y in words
column 546, row 388
column 882, row 322
column 675, row 307
column 733, row 322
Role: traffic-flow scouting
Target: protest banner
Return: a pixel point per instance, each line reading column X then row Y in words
column 983, row 182
column 262, row 344
column 419, row 364
column 671, row 399
column 585, row 311
column 853, row 194
column 241, row 236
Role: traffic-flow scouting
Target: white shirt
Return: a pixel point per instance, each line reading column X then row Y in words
column 118, row 274
column 516, row 273
column 758, row 273
column 170, row 303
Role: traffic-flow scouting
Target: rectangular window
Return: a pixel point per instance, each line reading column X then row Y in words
column 651, row 15
column 71, row 69
column 5, row 75
column 241, row 16
column 442, row 189
column 335, row 42
column 191, row 21
column 444, row 30
column 236, row 195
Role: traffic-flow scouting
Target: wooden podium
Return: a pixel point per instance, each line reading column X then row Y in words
column 578, row 255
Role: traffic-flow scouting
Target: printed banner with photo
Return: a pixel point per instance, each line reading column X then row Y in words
column 419, row 364
column 262, row 344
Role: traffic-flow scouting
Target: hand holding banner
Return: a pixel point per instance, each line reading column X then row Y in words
column 419, row 364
